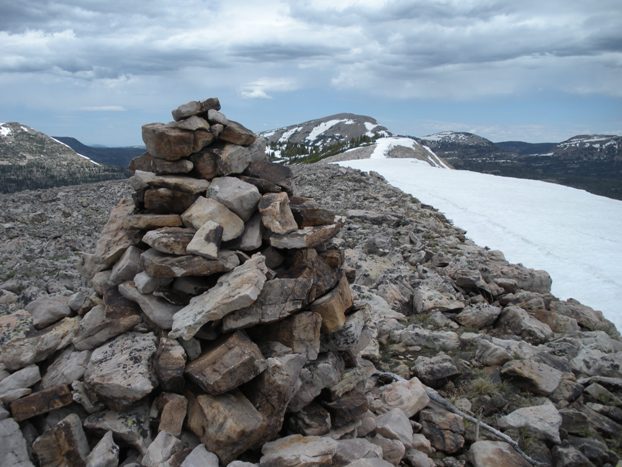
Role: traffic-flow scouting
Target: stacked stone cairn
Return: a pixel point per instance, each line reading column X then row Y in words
column 222, row 327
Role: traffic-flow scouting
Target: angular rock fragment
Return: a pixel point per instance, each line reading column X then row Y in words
column 298, row 451
column 333, row 305
column 493, row 453
column 15, row 326
column 41, row 402
column 205, row 163
column 233, row 291
column 152, row 221
column 119, row 372
column 130, row 426
column 163, row 447
column 236, row 133
column 478, row 316
column 142, row 180
column 308, row 214
column 348, row 337
column 48, row 310
column 444, row 429
column 322, row 373
column 349, row 450
column 193, row 123
column 537, row 377
column 410, row 396
column 225, row 424
column 20, row 352
column 394, row 424
column 239, row 196
column 312, row 420
column 127, row 267
column 200, row 457
column 392, row 449
column 170, row 240
column 167, row 201
column 307, row 237
column 63, row 444
column 206, row 241
column 157, row 310
column 542, row 420
column 300, row 332
column 146, row 284
column 172, row 408
column 227, row 365
column 163, row 266
column 278, row 299
column 169, row 364
column 68, row 367
column 276, row 215
column 234, row 159
column 251, row 239
column 167, row 142
column 435, row 371
column 208, row 209
column 148, row 163
column 347, row 408
column 105, row 453
column 278, row 174
column 24, row 378
column 196, row 108
column 13, row 445
column 517, row 321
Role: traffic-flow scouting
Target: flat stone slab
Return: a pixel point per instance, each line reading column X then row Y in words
column 68, row 367
column 170, row 143
column 130, row 426
column 48, row 310
column 152, row 221
column 141, row 180
column 13, row 445
column 233, row 291
column 236, row 133
column 159, row 312
column 119, row 372
column 195, row 108
column 227, row 365
column 495, row 453
column 169, row 240
column 167, row 201
column 163, row 266
column 41, row 402
column 542, row 420
column 307, row 237
column 298, row 451
column 208, row 209
column 538, row 377
column 410, row 396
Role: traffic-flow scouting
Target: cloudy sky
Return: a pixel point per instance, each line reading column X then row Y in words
column 535, row 70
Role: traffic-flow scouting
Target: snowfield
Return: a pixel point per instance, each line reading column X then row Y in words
column 570, row 233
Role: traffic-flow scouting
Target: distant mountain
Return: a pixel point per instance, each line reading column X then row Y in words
column 117, row 156
column 30, row 159
column 589, row 162
column 323, row 137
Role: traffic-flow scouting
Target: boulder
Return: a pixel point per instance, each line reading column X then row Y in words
column 208, row 209
column 240, row 197
column 236, row 133
column 233, row 291
column 317, row 375
column 169, row 240
column 234, row 159
column 537, row 377
column 193, row 123
column 205, row 163
column 517, row 321
column 478, row 316
column 48, row 310
column 348, row 338
column 427, row 298
column 195, row 108
column 494, row 453
column 435, row 371
column 163, row 266
column 312, row 420
column 278, row 174
column 347, row 408
column 227, row 424
column 166, row 201
column 170, row 143
column 276, row 216
column 410, row 396
column 542, row 420
column 21, row 379
column 105, row 453
column 349, row 450
column 206, row 241
column 252, row 237
column 63, row 444
column 227, row 364
column 392, row 449
column 119, row 372
column 414, row 336
column 298, row 451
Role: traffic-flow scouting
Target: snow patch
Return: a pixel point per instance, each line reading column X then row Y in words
column 287, row 134
column 572, row 234
column 322, row 127
column 5, row 130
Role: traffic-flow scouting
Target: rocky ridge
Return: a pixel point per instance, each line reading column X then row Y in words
column 437, row 309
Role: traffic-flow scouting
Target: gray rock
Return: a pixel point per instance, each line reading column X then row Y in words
column 21, row 379
column 20, row 352
column 206, row 241
column 517, row 321
column 63, row 444
column 278, row 299
column 494, row 453
column 369, row 462
column 542, row 420
column 490, row 354
column 394, row 424
column 163, row 447
column 48, row 310
column 410, row 396
column 152, row 221
column 227, row 365
column 252, row 238
column 538, row 377
column 68, row 367
column 568, row 456
column 196, row 108
column 322, row 373
column 206, row 209
column 307, row 237
column 392, row 449
column 239, row 196
column 348, row 337
column 435, row 371
column 169, row 364
column 170, row 240
column 200, row 457
column 130, row 426
column 444, row 429
column 312, row 420
column 127, row 267
column 418, row 459
column 426, row 298
column 119, row 372
column 236, row 133
column 157, row 310
column 102, row 323
column 163, row 266
column 214, row 116
column 233, row 291
column 146, row 284
column 349, row 450
column 298, row 451
column 105, row 453
column 192, row 123
column 276, row 215
column 13, row 451
column 234, row 159
column 436, row 340
column 300, row 333
column 478, row 316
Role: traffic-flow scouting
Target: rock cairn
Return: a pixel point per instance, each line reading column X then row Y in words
column 222, row 326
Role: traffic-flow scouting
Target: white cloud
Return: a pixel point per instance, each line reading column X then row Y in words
column 260, row 89
column 103, row 108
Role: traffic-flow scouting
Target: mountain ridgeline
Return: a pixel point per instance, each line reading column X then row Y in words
column 30, row 159
column 114, row 156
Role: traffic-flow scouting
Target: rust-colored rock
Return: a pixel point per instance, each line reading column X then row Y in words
column 333, row 305
column 41, row 402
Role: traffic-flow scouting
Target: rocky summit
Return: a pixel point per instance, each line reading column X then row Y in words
column 234, row 312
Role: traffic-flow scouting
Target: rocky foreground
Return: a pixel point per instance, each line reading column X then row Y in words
column 492, row 347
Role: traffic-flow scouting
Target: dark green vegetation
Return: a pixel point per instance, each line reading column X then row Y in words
column 118, row 157
column 36, row 174
column 297, row 153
